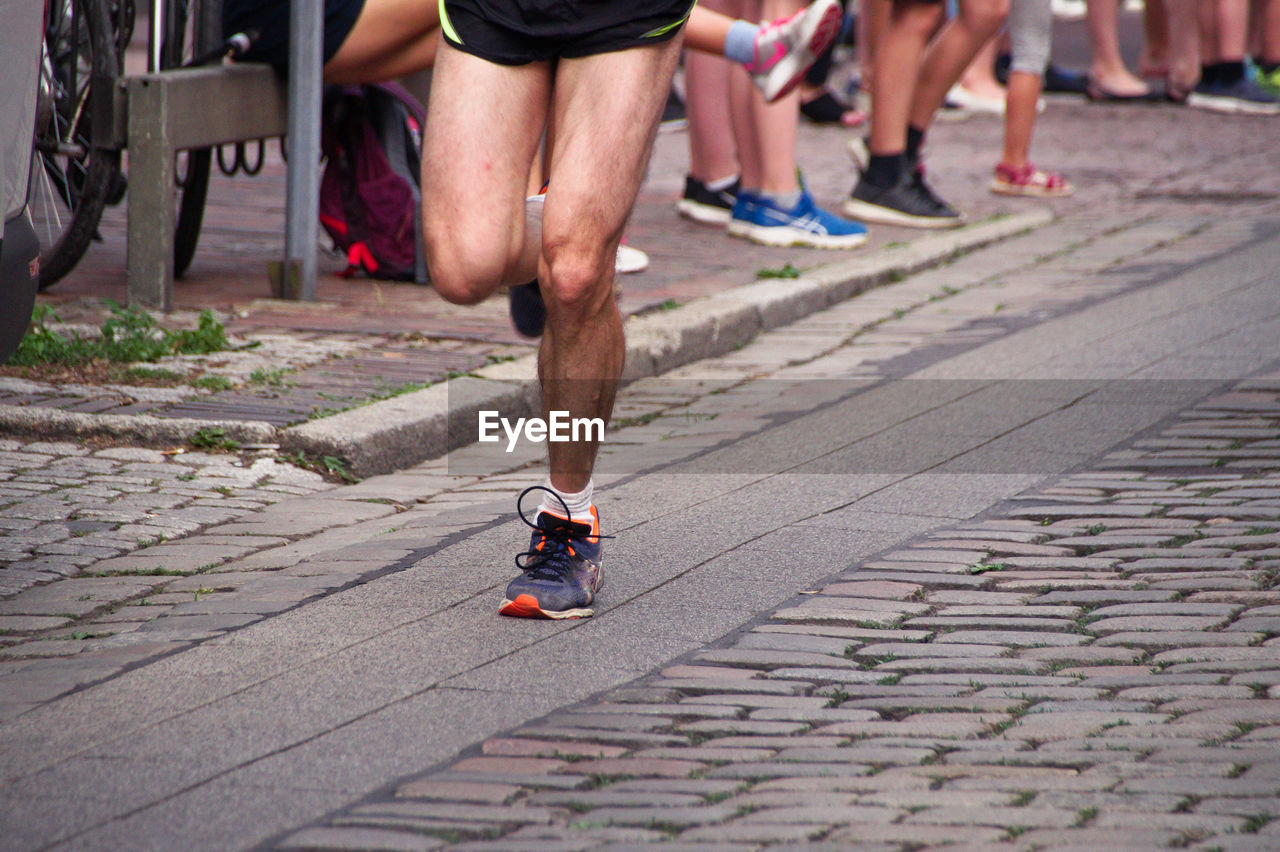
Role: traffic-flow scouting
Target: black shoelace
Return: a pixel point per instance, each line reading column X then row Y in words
column 550, row 560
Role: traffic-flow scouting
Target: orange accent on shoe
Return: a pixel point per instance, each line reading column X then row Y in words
column 524, row 606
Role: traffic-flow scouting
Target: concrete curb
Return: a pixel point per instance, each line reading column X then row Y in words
column 145, row 430
column 396, row 433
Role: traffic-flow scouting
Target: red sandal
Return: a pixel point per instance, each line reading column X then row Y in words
column 1028, row 180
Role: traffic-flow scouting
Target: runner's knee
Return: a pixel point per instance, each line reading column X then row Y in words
column 577, row 279
column 460, row 277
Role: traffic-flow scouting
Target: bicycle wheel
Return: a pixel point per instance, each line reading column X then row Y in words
column 187, row 35
column 73, row 174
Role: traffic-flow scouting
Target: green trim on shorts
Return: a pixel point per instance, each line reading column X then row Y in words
column 659, row 32
column 446, row 26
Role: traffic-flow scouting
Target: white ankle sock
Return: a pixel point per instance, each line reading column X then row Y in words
column 579, row 503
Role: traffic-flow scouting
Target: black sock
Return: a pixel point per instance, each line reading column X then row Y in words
column 1209, row 75
column 1230, row 73
column 885, row 170
column 1268, row 67
column 915, row 141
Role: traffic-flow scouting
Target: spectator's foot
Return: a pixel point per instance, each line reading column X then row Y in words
column 1028, row 180
column 629, row 259
column 979, row 103
column 787, row 47
column 1127, row 89
column 708, row 206
column 562, row 568
column 826, row 108
column 761, row 220
column 1243, row 97
column 910, row 202
column 1270, row 83
column 674, row 116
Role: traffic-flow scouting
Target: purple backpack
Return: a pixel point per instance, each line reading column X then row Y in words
column 370, row 202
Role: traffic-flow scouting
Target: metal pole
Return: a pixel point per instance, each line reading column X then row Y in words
column 306, row 31
column 156, row 44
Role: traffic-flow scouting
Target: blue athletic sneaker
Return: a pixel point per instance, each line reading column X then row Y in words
column 562, row 568
column 758, row 219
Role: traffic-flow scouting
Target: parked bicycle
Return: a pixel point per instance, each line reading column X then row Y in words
column 80, row 129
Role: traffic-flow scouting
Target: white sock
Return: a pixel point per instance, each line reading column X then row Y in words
column 722, row 184
column 579, row 503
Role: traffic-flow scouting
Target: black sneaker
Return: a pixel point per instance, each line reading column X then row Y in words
column 561, row 568
column 909, row 202
column 528, row 313
column 673, row 114
column 711, row 207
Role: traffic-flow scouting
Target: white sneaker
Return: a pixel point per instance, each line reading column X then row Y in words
column 630, row 259
column 787, row 47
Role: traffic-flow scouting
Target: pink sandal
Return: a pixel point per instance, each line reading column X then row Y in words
column 1028, row 180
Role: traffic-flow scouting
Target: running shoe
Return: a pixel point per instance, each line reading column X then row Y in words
column 527, row 310
column 787, row 47
column 1243, row 97
column 561, row 569
column 1270, row 83
column 711, row 207
column 909, row 202
column 760, row 220
column 524, row 301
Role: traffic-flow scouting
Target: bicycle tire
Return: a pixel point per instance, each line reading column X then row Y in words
column 187, row 33
column 71, row 168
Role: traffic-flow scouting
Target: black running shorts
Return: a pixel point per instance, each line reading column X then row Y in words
column 517, row 32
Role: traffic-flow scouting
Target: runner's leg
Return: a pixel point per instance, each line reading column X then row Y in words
column 606, row 109
column 484, row 124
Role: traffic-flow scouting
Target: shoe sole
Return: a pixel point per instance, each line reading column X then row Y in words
column 704, row 214
column 865, row 212
column 815, row 42
column 1230, row 106
column 859, row 153
column 526, row 606
column 784, row 237
column 1028, row 191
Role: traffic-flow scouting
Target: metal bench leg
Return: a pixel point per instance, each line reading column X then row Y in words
column 151, row 198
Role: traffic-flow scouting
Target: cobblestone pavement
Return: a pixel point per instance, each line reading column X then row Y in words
column 345, row 638
column 1094, row 665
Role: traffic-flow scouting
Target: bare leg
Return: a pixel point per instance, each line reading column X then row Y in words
column 1267, row 26
column 1020, row 117
column 873, row 17
column 1108, row 70
column 1184, row 46
column 473, row 195
column 948, row 54
column 707, row 29
column 712, row 153
column 1232, row 19
column 606, row 111
column 980, row 75
column 1153, row 61
column 897, row 70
